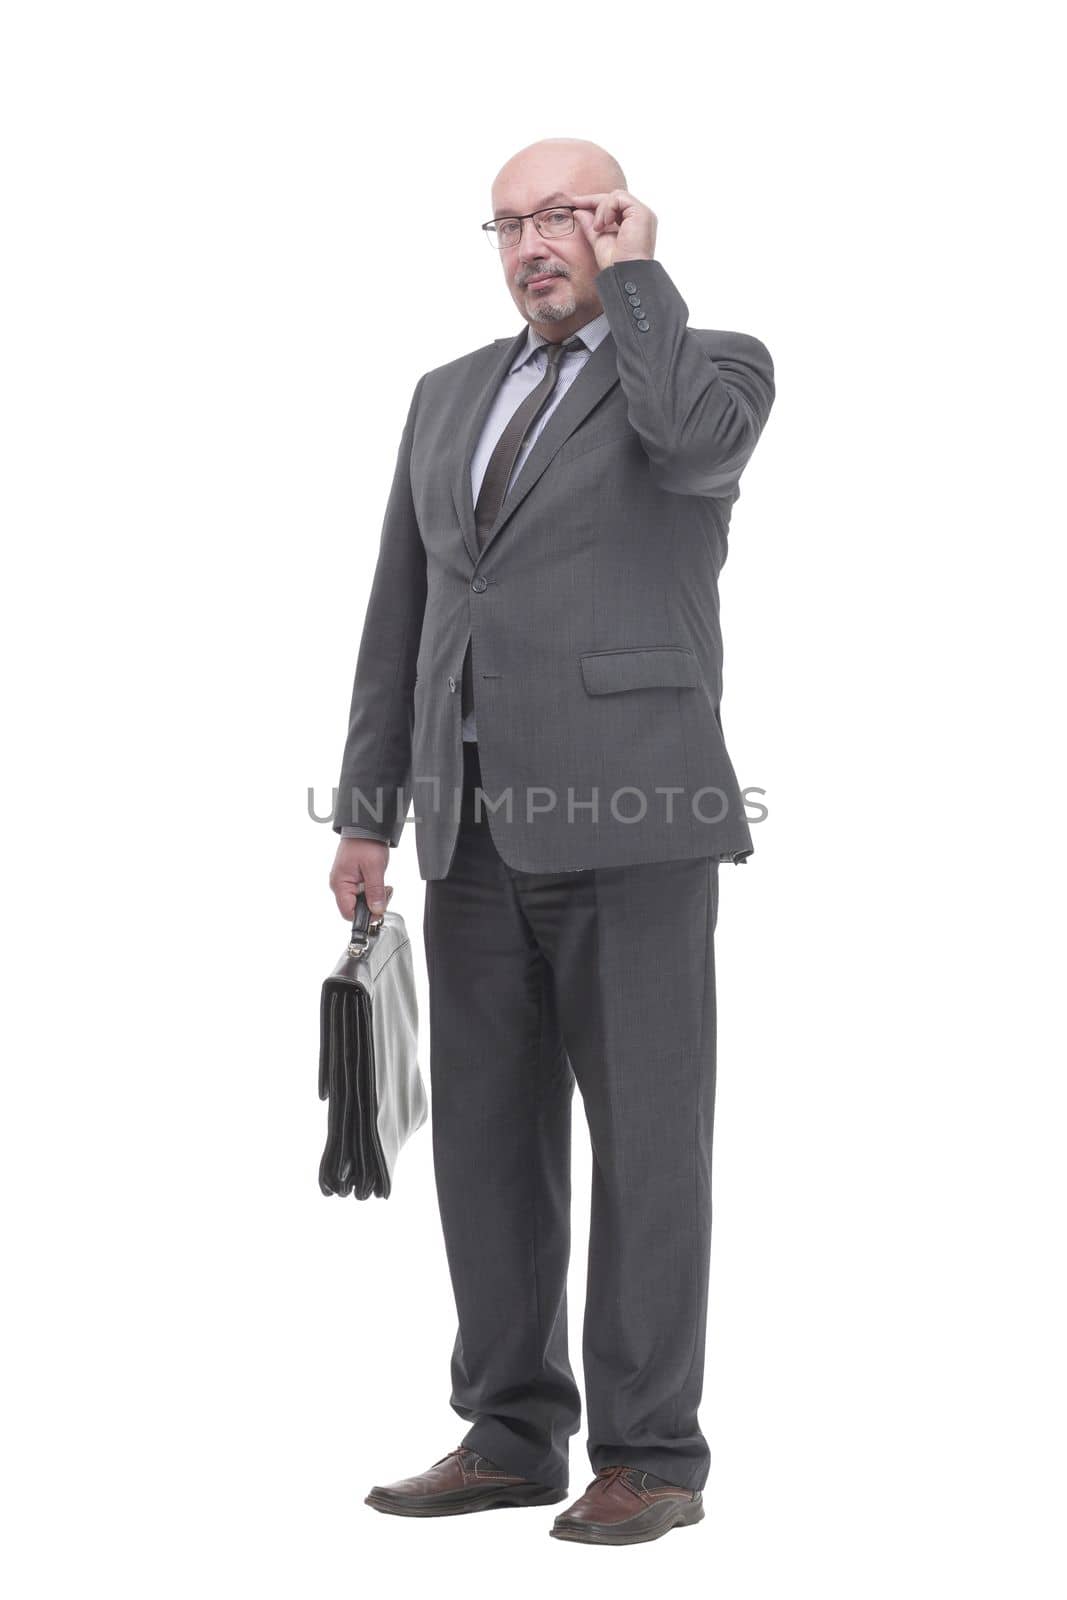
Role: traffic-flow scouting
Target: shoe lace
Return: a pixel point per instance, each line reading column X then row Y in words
column 460, row 1450
column 609, row 1475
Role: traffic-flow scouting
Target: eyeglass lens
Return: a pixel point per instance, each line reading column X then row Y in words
column 506, row 231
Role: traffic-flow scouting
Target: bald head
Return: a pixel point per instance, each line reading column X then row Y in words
column 575, row 164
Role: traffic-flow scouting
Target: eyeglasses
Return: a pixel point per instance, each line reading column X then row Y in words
column 503, row 232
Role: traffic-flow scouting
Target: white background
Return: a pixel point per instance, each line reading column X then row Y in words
column 235, row 236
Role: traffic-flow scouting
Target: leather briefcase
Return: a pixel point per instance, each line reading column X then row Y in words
column 368, row 1057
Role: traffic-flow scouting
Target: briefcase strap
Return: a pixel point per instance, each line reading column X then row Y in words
column 364, row 927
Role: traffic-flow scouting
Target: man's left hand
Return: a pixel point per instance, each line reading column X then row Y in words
column 617, row 225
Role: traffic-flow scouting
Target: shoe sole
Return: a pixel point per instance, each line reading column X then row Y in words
column 599, row 1533
column 488, row 1500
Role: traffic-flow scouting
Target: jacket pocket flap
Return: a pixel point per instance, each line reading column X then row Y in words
column 655, row 667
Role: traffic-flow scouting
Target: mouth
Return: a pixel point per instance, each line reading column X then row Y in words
column 547, row 277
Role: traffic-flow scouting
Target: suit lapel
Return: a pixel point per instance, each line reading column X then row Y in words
column 598, row 375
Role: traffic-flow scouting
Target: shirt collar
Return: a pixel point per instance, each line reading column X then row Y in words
column 591, row 335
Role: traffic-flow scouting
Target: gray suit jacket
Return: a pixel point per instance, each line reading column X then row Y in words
column 593, row 607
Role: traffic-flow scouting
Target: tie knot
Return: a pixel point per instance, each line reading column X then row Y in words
column 554, row 352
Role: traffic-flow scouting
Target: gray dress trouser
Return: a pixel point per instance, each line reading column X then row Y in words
column 537, row 980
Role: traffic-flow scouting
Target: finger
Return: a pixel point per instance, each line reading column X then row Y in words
column 585, row 223
column 346, row 885
column 375, row 890
column 388, row 897
column 345, row 895
column 612, row 210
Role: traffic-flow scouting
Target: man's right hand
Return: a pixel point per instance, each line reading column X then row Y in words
column 360, row 864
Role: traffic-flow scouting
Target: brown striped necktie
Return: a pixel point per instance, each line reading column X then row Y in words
column 506, row 450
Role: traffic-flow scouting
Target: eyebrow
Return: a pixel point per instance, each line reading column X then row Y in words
column 502, row 211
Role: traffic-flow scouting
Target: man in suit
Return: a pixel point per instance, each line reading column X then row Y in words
column 540, row 671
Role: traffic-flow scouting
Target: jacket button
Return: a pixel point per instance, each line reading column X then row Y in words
column 452, row 685
column 479, row 585
column 630, row 287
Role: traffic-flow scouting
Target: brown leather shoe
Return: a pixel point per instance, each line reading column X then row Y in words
column 625, row 1505
column 461, row 1481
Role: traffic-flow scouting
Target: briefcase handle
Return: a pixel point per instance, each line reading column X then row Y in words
column 364, row 927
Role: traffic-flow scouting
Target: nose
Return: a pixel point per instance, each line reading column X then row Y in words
column 531, row 252
column 531, row 245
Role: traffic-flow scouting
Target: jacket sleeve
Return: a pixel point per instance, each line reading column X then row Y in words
column 698, row 418
column 374, row 789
